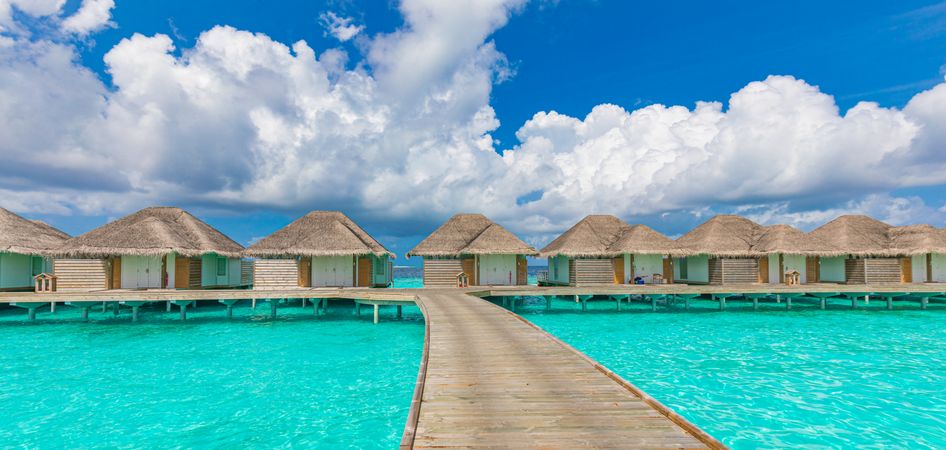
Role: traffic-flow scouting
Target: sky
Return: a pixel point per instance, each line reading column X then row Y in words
column 536, row 113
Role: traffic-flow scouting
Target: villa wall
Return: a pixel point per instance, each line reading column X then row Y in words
column 797, row 263
column 697, row 269
column 647, row 265
column 938, row 267
column 919, row 268
column 591, row 271
column 832, row 269
column 16, row 270
column 558, row 269
column 275, row 274
column 81, row 275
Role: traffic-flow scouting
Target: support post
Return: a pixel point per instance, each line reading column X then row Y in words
column 755, row 303
column 183, row 307
column 168, row 306
column 31, row 314
column 134, row 313
column 273, row 303
column 853, row 302
column 584, row 305
column 357, row 309
column 52, row 307
column 254, row 303
column 824, row 303
column 325, row 306
column 653, row 303
column 375, row 313
column 316, row 305
column 722, row 303
column 889, row 303
column 115, row 306
column 923, row 302
column 104, row 306
column 548, row 303
column 399, row 311
column 85, row 313
column 229, row 311
column 788, row 303
column 513, row 303
column 576, row 299
column 778, row 298
column 686, row 303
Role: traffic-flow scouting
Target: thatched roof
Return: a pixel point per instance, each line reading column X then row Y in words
column 318, row 233
column 857, row 235
column 916, row 240
column 605, row 236
column 152, row 231
column 722, row 235
column 592, row 236
column 792, row 241
column 643, row 240
column 471, row 234
column 28, row 237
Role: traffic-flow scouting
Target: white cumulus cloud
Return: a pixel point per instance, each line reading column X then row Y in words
column 92, row 16
column 241, row 121
column 343, row 28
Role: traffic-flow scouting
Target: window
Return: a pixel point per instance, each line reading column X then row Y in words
column 682, row 262
column 379, row 264
column 38, row 265
column 221, row 267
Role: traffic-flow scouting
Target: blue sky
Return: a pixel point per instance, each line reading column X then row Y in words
column 402, row 113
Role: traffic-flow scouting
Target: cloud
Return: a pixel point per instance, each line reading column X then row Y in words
column 93, row 15
column 885, row 207
column 240, row 121
column 33, row 8
column 341, row 27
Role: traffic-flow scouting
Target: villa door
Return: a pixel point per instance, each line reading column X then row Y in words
column 141, row 272
column 332, row 271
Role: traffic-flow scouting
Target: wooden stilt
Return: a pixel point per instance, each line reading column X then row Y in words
column 168, row 306
column 324, row 306
column 229, row 311
column 183, row 307
column 824, row 303
column 85, row 313
column 788, row 303
column 399, row 311
column 273, row 304
column 576, row 299
column 104, row 306
column 686, row 303
column 376, row 313
column 358, row 309
column 778, row 298
column 134, row 313
column 115, row 306
column 923, row 302
column 31, row 314
column 584, row 304
column 889, row 303
column 52, row 307
column 722, row 303
column 853, row 302
column 653, row 303
column 617, row 301
column 548, row 302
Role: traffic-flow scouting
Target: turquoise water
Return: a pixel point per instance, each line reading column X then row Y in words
column 805, row 377
column 334, row 381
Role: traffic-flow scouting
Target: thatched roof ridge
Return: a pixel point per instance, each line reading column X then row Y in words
column 152, row 231
column 592, row 236
column 28, row 237
column 640, row 239
column 471, row 234
column 857, row 235
column 721, row 235
column 789, row 240
column 916, row 240
column 318, row 233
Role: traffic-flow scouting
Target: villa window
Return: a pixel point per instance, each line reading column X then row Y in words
column 682, row 263
column 378, row 265
column 221, row 267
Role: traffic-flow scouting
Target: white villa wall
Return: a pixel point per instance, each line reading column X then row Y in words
column 918, row 265
column 16, row 271
column 774, row 275
column 645, row 266
column 171, row 266
column 333, row 271
column 497, row 270
column 796, row 263
column 628, row 270
column 832, row 269
column 141, row 272
column 938, row 264
column 697, row 269
column 558, row 269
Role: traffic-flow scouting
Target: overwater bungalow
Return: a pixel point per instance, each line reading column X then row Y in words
column 602, row 249
column 481, row 250
column 719, row 251
column 868, row 255
column 25, row 247
column 157, row 247
column 321, row 248
column 789, row 250
column 924, row 252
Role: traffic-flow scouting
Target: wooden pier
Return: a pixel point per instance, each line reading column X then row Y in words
column 492, row 379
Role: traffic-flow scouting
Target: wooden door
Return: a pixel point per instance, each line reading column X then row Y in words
column 618, row 270
column 668, row 270
column 117, row 272
column 468, row 266
column 182, row 272
column 764, row 269
column 364, row 271
column 305, row 272
column 522, row 270
column 906, row 270
column 781, row 268
column 812, row 269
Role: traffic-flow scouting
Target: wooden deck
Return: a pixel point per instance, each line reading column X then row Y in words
column 491, row 379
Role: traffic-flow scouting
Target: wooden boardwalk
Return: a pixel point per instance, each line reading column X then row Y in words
column 491, row 379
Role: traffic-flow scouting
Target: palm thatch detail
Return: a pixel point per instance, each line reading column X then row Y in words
column 471, row 234
column 152, row 231
column 28, row 237
column 607, row 236
column 318, row 233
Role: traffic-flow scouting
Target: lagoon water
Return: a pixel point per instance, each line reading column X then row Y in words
column 335, row 381
column 770, row 379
